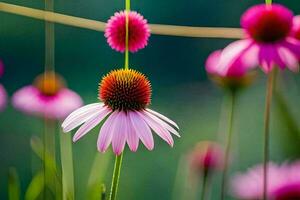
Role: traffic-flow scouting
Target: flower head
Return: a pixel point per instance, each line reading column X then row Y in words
column 125, row 94
column 237, row 75
column 3, row 98
column 268, row 41
column 207, row 156
column 138, row 31
column 283, row 182
column 47, row 97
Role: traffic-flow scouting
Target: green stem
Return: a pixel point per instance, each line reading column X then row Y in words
column 205, row 184
column 115, row 178
column 228, row 144
column 269, row 2
column 67, row 166
column 49, row 39
column 269, row 93
column 49, row 149
column 127, row 8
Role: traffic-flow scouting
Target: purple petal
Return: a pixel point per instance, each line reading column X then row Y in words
column 119, row 133
column 105, row 135
column 132, row 137
column 75, row 121
column 161, row 122
column 163, row 117
column 142, row 129
column 81, row 111
column 90, row 124
column 158, row 128
column 289, row 59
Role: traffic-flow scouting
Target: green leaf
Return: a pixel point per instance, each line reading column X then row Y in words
column 35, row 187
column 13, row 184
column 97, row 175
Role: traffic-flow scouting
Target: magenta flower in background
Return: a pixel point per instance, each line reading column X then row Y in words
column 3, row 98
column 268, row 41
column 237, row 76
column 283, row 182
column 3, row 94
column 47, row 97
column 138, row 31
column 207, row 156
column 125, row 94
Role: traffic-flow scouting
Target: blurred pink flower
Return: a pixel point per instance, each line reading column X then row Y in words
column 283, row 182
column 212, row 64
column 207, row 156
column 3, row 98
column 237, row 76
column 268, row 41
column 138, row 31
column 126, row 94
column 47, row 97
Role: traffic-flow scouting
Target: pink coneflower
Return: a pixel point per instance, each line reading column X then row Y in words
column 237, row 75
column 138, row 31
column 125, row 94
column 3, row 98
column 268, row 41
column 207, row 156
column 283, row 182
column 47, row 97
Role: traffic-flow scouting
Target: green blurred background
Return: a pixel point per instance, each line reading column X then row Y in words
column 181, row 91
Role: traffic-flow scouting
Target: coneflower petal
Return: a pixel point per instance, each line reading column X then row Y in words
column 132, row 137
column 289, row 59
column 162, row 123
column 163, row 117
column 142, row 129
column 119, row 133
column 158, row 129
column 81, row 111
column 105, row 136
column 78, row 120
column 90, row 124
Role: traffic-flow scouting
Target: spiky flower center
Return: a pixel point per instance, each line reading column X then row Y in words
column 268, row 24
column 49, row 83
column 125, row 89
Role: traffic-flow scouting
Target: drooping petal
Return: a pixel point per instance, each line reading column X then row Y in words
column 82, row 110
column 105, row 135
column 158, row 129
column 75, row 121
column 132, row 137
column 266, row 55
column 142, row 129
column 162, row 123
column 289, row 59
column 163, row 117
column 119, row 133
column 90, row 124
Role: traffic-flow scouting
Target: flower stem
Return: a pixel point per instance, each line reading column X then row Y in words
column 269, row 93
column 205, row 184
column 228, row 144
column 67, row 166
column 269, row 2
column 127, row 8
column 115, row 178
